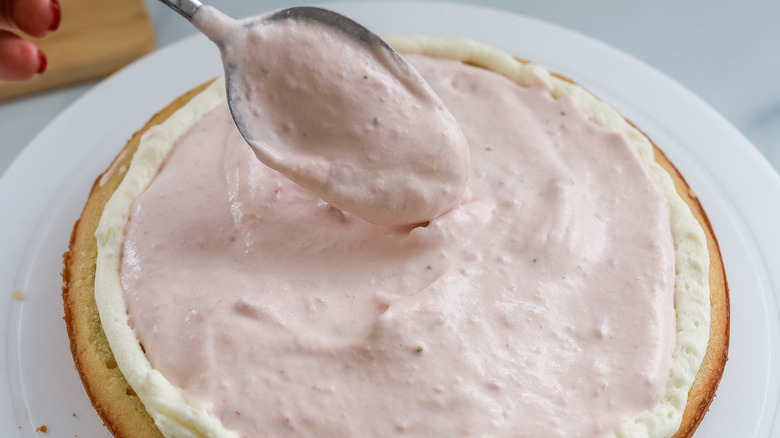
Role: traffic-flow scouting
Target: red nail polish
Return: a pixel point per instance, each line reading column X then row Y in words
column 41, row 63
column 56, row 13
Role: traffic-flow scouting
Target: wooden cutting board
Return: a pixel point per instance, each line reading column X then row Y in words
column 95, row 38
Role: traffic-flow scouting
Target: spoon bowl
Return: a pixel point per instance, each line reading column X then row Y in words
column 330, row 105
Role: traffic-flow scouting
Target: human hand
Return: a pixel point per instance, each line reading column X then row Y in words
column 20, row 60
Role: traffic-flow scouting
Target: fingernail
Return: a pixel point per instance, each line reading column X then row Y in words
column 56, row 13
column 41, row 63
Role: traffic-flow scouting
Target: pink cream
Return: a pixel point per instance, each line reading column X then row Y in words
column 345, row 119
column 543, row 306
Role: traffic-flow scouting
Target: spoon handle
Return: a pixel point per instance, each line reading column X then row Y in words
column 185, row 8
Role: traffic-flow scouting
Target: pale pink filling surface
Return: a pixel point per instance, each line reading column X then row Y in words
column 542, row 306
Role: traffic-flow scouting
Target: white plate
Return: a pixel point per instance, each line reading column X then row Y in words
column 43, row 191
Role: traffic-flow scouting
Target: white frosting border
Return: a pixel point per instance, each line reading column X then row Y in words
column 176, row 417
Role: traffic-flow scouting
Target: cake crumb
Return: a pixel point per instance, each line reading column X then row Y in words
column 42, row 429
column 18, row 295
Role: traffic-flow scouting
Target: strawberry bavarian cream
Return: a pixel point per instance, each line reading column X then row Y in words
column 565, row 295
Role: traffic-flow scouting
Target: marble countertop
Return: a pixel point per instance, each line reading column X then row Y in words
column 722, row 50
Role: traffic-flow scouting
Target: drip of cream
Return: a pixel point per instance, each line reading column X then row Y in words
column 348, row 120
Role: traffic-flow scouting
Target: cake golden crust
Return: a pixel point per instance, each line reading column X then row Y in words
column 113, row 398
column 124, row 414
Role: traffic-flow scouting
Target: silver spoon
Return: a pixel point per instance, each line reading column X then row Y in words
column 188, row 9
column 394, row 180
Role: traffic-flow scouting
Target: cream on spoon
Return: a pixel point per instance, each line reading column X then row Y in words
column 331, row 106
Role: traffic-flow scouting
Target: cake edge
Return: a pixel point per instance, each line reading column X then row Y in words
column 707, row 380
column 106, row 386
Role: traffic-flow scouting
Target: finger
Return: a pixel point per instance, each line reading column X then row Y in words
column 19, row 60
column 33, row 17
